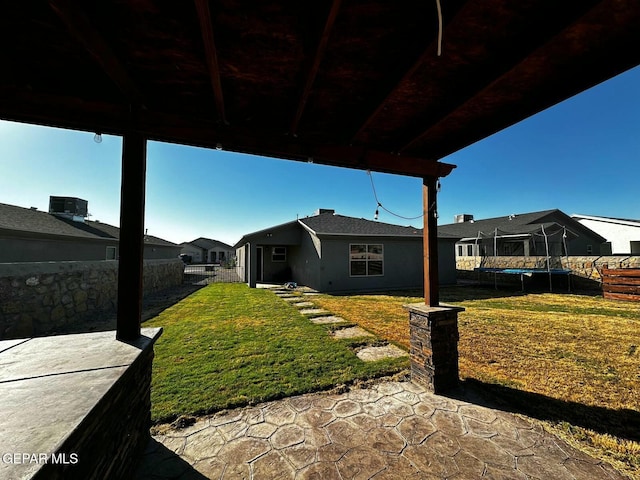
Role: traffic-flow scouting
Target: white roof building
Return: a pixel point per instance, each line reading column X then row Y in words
column 622, row 234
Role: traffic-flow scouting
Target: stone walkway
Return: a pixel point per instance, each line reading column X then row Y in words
column 302, row 299
column 392, row 430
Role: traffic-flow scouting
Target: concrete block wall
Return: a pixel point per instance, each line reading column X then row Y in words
column 38, row 298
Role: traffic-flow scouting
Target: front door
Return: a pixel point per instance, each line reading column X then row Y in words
column 258, row 264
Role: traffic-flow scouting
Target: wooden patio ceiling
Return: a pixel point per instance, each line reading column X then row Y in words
column 349, row 83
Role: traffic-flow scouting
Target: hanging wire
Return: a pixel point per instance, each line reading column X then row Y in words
column 375, row 195
column 439, row 7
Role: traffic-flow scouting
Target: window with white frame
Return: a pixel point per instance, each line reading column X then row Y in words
column 469, row 250
column 460, row 251
column 366, row 260
column 279, row 254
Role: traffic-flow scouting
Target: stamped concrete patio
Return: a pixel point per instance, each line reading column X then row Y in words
column 392, row 430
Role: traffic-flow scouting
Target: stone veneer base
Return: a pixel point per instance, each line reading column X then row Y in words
column 434, row 337
column 80, row 402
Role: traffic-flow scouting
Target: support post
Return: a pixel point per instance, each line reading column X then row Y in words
column 433, row 328
column 131, row 248
column 430, row 242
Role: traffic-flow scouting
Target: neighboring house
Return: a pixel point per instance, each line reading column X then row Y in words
column 622, row 235
column 30, row 235
column 333, row 253
column 549, row 232
column 206, row 250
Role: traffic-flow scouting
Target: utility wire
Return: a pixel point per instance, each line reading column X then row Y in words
column 375, row 195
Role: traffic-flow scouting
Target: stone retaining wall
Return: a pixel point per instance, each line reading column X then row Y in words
column 40, row 297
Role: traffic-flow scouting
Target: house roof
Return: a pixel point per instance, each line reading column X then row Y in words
column 208, row 243
column 523, row 223
column 26, row 220
column 375, row 84
column 620, row 221
column 333, row 224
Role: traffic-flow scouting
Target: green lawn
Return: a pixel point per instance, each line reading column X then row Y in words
column 228, row 345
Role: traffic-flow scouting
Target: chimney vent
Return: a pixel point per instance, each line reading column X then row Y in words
column 320, row 211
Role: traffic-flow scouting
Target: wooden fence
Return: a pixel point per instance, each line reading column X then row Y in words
column 621, row 283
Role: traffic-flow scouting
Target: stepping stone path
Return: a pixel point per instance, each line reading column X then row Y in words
column 303, row 304
column 327, row 319
column 322, row 317
column 351, row 332
column 371, row 354
column 313, row 311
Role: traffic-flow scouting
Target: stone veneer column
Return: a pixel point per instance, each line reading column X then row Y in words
column 434, row 346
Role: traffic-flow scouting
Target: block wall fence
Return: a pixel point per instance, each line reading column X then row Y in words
column 39, row 298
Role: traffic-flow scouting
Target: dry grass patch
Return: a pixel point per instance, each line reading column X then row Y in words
column 570, row 360
column 382, row 315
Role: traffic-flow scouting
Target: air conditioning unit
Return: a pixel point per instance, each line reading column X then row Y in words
column 69, row 207
column 463, row 217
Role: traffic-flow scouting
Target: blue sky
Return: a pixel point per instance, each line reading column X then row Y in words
column 581, row 156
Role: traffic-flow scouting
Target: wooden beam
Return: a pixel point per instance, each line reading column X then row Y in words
column 70, row 112
column 80, row 27
column 559, row 31
column 211, row 54
column 315, row 65
column 365, row 159
column 131, row 245
column 427, row 53
column 430, row 242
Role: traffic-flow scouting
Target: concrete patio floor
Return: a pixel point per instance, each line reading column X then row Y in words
column 392, row 430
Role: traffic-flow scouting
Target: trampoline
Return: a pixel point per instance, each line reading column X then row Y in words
column 529, row 272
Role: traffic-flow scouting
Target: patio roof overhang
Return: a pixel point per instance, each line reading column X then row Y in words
column 352, row 84
column 385, row 86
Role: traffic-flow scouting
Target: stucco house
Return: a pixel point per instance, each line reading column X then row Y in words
column 207, row 250
column 336, row 253
column 622, row 235
column 64, row 234
column 549, row 232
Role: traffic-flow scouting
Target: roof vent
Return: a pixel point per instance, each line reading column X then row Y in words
column 68, row 207
column 320, row 211
column 463, row 217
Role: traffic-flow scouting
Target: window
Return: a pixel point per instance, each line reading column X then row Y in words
column 469, row 250
column 365, row 260
column 460, row 251
column 111, row 253
column 279, row 254
column 589, row 249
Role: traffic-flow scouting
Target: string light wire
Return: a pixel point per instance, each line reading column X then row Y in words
column 439, row 7
column 375, row 195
